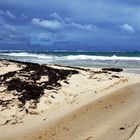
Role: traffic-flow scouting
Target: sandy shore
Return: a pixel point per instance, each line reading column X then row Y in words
column 80, row 104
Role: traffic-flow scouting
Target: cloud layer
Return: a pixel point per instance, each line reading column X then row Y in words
column 80, row 24
column 58, row 24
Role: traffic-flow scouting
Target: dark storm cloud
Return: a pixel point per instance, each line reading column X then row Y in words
column 91, row 23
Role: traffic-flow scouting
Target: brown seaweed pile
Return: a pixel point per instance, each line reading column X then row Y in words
column 24, row 81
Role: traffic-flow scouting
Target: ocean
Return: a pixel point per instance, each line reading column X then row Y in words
column 119, row 59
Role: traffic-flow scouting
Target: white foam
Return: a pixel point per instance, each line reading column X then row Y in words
column 89, row 57
column 70, row 57
column 40, row 56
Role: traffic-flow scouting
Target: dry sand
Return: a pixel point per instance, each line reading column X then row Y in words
column 91, row 105
column 113, row 117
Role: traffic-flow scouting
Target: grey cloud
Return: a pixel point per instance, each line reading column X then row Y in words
column 13, row 34
column 56, row 16
column 48, row 24
column 128, row 28
column 8, row 14
column 76, row 19
column 58, row 24
column 85, row 27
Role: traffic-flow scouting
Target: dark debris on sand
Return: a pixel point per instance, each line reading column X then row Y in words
column 113, row 69
column 30, row 89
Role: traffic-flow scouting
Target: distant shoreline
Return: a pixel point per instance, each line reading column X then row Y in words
column 82, row 59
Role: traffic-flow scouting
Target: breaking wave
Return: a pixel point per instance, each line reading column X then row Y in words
column 68, row 57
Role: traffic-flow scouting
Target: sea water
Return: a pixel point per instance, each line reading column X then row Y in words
column 120, row 59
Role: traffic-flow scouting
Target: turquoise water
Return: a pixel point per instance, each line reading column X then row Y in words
column 129, row 60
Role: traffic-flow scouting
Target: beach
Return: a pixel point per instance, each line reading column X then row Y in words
column 55, row 102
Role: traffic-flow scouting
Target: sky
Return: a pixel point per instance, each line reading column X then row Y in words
column 70, row 25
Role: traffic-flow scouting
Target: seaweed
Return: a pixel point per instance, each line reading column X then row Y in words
column 113, row 69
column 24, row 81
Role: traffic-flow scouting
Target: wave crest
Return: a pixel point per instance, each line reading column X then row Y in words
column 69, row 57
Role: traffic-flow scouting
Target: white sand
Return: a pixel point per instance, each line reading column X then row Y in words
column 91, row 106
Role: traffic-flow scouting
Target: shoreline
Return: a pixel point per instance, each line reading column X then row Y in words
column 77, row 92
column 126, row 70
